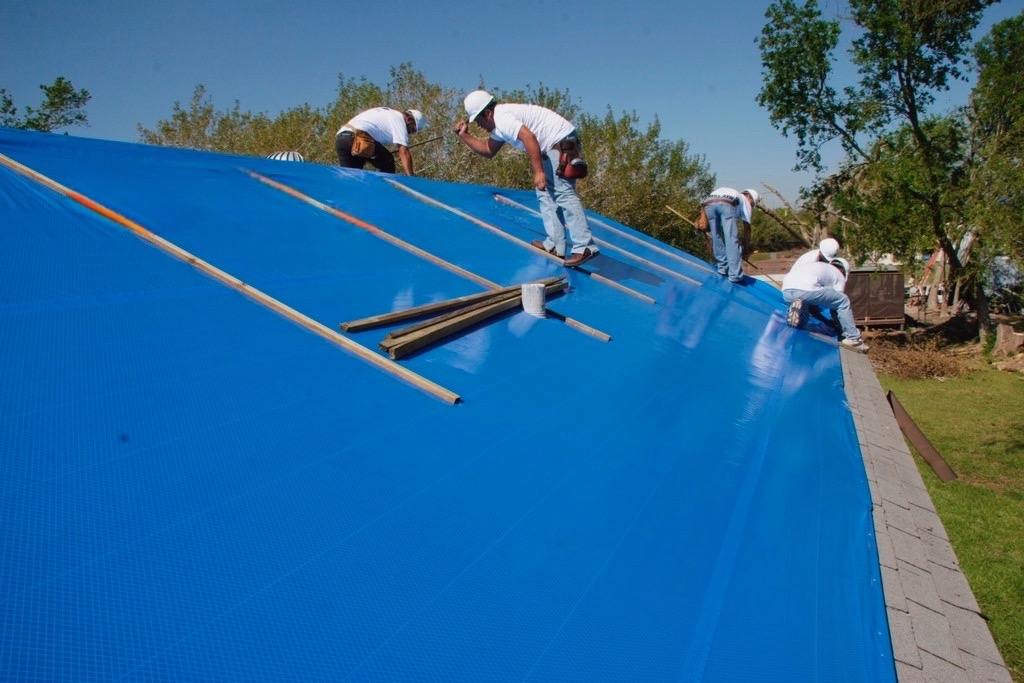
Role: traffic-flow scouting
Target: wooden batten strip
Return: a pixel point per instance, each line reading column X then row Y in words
column 497, row 298
column 586, row 329
column 403, row 346
column 295, row 316
column 427, row 309
column 622, row 288
column 360, row 223
column 396, row 335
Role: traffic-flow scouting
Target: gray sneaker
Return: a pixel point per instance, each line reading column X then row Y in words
column 856, row 345
column 797, row 314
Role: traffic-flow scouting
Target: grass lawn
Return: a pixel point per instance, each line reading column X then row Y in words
column 977, row 424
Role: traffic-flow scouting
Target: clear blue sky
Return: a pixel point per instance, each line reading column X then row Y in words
column 694, row 65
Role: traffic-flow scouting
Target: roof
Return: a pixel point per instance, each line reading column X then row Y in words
column 205, row 478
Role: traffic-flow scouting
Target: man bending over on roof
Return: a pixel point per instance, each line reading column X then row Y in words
column 364, row 138
column 551, row 143
column 723, row 208
column 822, row 285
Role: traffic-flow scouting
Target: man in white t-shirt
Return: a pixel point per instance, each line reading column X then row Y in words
column 723, row 207
column 543, row 135
column 826, row 251
column 821, row 285
column 384, row 126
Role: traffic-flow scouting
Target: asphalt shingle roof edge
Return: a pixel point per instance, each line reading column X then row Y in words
column 936, row 626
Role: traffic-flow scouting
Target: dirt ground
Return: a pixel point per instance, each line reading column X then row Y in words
column 937, row 347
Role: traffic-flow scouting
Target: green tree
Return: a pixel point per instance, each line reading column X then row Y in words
column 881, row 200
column 190, row 128
column 201, row 126
column 996, row 119
column 637, row 174
column 905, row 53
column 62, row 106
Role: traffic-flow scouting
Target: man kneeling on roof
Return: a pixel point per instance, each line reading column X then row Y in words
column 365, row 136
column 815, row 284
column 827, row 250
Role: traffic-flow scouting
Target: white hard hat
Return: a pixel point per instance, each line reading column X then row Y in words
column 755, row 196
column 843, row 265
column 476, row 102
column 286, row 156
column 419, row 118
column 828, row 248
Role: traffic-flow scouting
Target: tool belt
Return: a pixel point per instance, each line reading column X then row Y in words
column 363, row 146
column 570, row 165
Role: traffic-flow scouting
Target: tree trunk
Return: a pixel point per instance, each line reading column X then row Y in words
column 984, row 319
column 975, row 297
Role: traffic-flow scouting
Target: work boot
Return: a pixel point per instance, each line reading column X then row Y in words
column 856, row 345
column 579, row 259
column 797, row 314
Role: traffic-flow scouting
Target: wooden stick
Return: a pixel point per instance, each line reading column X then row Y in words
column 680, row 214
column 369, row 227
column 497, row 298
column 395, row 336
column 405, row 345
column 295, row 316
column 427, row 309
column 417, row 144
column 707, row 234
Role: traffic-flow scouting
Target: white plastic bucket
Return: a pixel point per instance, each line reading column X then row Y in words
column 534, row 295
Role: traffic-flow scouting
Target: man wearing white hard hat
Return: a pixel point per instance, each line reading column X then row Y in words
column 723, row 208
column 821, row 285
column 826, row 251
column 551, row 143
column 366, row 136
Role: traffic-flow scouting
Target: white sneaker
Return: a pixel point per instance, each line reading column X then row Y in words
column 797, row 314
column 856, row 345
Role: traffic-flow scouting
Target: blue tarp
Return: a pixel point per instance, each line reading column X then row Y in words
column 196, row 487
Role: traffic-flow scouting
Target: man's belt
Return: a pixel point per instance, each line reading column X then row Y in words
column 728, row 200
